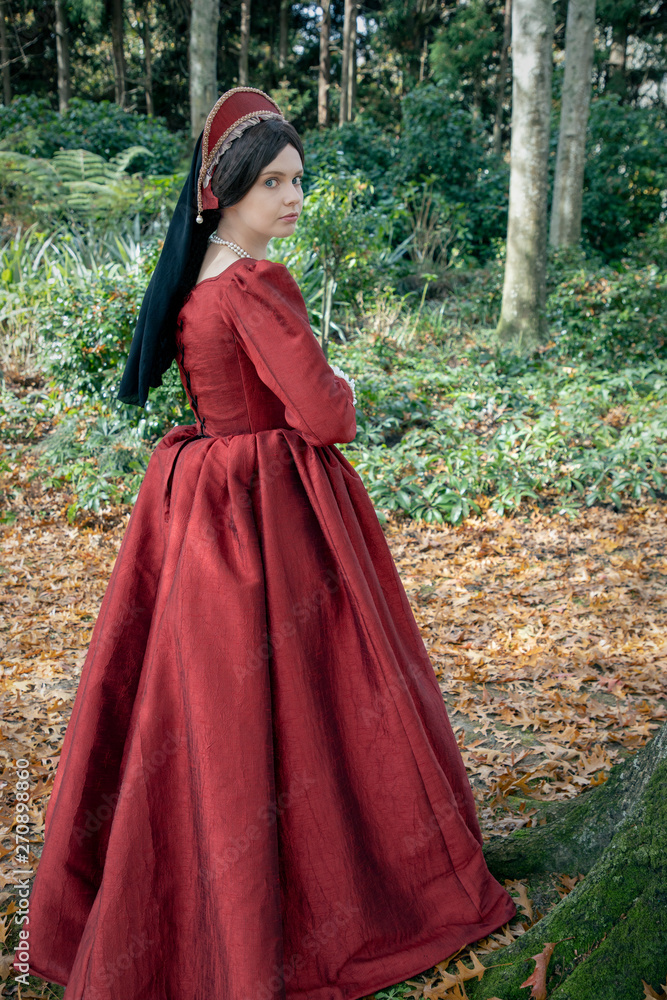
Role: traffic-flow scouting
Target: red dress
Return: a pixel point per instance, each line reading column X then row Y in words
column 260, row 795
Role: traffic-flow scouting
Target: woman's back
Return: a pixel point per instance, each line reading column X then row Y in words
column 249, row 361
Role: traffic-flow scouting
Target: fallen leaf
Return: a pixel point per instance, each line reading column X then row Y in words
column 650, row 994
column 538, row 979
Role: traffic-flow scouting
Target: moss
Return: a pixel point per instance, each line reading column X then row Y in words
column 633, row 950
column 610, row 929
column 579, row 830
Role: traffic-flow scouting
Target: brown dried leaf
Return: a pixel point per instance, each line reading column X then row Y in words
column 538, row 979
column 650, row 994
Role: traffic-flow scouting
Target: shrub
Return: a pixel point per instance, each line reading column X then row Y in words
column 625, row 186
column 30, row 126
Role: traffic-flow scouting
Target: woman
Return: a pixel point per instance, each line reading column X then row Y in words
column 260, row 794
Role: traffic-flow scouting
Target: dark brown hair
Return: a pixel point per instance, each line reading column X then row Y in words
column 247, row 156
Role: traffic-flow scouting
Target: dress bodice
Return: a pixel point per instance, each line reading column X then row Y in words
column 250, row 362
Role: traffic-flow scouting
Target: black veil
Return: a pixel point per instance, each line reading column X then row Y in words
column 153, row 346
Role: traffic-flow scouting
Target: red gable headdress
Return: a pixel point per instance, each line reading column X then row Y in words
column 230, row 116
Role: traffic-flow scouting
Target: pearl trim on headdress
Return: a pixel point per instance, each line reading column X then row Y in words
column 237, row 129
column 212, row 158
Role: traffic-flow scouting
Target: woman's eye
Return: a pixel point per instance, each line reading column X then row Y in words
column 270, row 180
column 298, row 179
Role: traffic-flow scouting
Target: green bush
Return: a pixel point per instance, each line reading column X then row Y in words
column 77, row 188
column 361, row 147
column 31, row 126
column 626, row 173
column 440, row 138
column 610, row 318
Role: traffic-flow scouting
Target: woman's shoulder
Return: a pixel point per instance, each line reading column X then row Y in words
column 246, row 273
column 261, row 280
column 261, row 271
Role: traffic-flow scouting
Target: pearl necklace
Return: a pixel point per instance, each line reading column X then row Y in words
column 214, row 238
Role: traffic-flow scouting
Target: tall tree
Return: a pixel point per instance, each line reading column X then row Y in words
column 344, row 113
column 62, row 56
column 143, row 13
column 522, row 321
column 203, row 63
column 352, row 62
column 283, row 38
column 117, row 15
column 325, row 66
column 245, row 43
column 565, row 229
column 4, row 56
column 502, row 79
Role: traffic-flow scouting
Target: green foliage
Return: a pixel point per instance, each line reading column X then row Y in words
column 465, row 45
column 361, row 147
column 609, row 318
column 30, row 126
column 448, row 424
column 442, row 137
column 625, row 174
column 341, row 247
column 440, row 140
column 437, row 442
column 78, row 186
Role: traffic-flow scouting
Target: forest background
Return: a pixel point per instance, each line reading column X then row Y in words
column 400, row 251
column 440, row 192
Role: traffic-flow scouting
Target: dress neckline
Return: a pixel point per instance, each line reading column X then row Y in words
column 214, row 277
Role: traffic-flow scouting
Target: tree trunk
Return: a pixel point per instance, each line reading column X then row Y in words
column 62, row 56
column 325, row 66
column 352, row 62
column 117, row 41
column 343, row 115
column 611, row 928
column 148, row 61
column 522, row 321
column 617, row 59
column 501, row 82
column 203, row 67
column 422, row 60
column 570, row 160
column 284, row 33
column 245, row 43
column 4, row 56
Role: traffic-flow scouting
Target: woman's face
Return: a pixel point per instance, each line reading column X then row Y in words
column 274, row 202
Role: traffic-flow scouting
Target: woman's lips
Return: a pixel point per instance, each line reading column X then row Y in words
column 289, row 218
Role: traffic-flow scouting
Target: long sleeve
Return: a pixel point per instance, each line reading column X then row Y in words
column 266, row 308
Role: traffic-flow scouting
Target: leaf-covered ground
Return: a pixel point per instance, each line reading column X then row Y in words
column 548, row 637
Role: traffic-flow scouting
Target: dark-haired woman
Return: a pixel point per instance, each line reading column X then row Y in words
column 260, row 794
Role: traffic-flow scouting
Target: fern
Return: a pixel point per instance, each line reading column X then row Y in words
column 76, row 180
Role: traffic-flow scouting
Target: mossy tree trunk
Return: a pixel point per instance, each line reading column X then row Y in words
column 612, row 928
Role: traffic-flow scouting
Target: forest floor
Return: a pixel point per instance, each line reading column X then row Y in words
column 548, row 637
